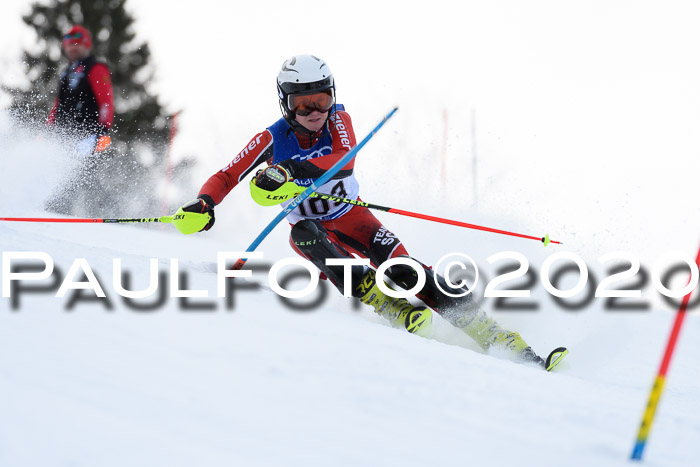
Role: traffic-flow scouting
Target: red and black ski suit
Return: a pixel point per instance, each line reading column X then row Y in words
column 85, row 102
column 336, row 230
column 353, row 229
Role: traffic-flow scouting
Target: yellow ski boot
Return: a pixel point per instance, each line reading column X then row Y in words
column 489, row 334
column 400, row 313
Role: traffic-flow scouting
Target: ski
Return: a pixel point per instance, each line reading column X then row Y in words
column 555, row 357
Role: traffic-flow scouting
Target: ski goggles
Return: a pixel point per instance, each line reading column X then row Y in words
column 304, row 104
column 73, row 37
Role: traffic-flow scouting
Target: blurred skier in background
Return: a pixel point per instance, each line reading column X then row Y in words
column 312, row 135
column 84, row 112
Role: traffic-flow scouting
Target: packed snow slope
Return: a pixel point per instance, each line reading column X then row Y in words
column 203, row 381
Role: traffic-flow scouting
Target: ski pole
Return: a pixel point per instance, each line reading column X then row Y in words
column 76, row 220
column 660, row 380
column 313, row 187
column 185, row 222
column 441, row 220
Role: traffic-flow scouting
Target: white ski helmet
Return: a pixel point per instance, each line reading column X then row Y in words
column 303, row 74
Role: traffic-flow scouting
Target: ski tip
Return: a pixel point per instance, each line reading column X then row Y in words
column 555, row 357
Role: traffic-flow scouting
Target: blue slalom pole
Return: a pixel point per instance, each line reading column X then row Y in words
column 312, row 188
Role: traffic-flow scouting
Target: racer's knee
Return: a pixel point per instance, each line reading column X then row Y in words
column 433, row 292
column 307, row 233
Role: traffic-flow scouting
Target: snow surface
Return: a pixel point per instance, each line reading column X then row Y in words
column 87, row 382
column 586, row 117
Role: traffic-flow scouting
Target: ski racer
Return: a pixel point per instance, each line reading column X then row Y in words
column 85, row 103
column 312, row 135
column 84, row 110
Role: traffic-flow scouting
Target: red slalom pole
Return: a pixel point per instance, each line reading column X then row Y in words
column 441, row 220
column 660, row 380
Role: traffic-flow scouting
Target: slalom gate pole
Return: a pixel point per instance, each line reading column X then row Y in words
column 74, row 220
column 313, row 187
column 660, row 380
column 441, row 220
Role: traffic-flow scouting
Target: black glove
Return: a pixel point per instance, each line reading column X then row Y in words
column 292, row 168
column 203, row 204
column 272, row 177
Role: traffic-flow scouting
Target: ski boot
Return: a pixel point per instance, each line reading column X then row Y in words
column 400, row 313
column 490, row 335
column 513, row 342
column 464, row 313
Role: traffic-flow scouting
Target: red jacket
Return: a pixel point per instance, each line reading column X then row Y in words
column 85, row 97
column 259, row 150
